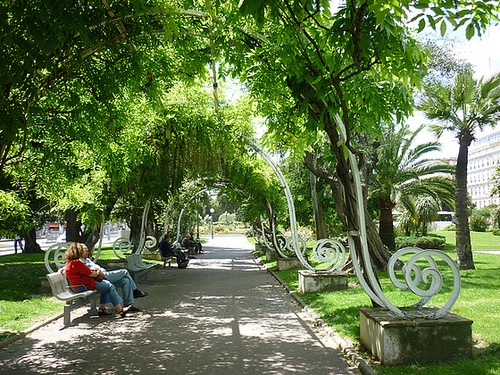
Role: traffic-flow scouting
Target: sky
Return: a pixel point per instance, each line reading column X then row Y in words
column 484, row 54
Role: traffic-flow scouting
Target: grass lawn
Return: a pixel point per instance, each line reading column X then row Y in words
column 479, row 301
column 479, row 240
column 22, row 302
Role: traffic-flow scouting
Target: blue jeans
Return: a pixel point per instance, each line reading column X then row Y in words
column 108, row 293
column 121, row 278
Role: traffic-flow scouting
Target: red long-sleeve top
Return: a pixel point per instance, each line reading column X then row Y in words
column 79, row 274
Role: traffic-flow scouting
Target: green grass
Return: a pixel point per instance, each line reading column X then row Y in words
column 479, row 240
column 479, row 301
column 22, row 301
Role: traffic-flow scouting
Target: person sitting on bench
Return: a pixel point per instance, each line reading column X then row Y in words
column 167, row 250
column 119, row 278
column 83, row 278
column 188, row 244
column 196, row 244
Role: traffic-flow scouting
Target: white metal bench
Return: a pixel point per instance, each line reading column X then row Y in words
column 138, row 267
column 64, row 292
column 168, row 259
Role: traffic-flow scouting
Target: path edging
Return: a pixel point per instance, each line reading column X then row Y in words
column 348, row 350
column 20, row 335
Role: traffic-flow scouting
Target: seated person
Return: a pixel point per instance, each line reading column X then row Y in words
column 196, row 244
column 167, row 250
column 188, row 243
column 119, row 278
column 83, row 278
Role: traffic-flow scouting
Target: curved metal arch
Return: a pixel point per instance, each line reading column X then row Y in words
column 178, row 237
column 373, row 288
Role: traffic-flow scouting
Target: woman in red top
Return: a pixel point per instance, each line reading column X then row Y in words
column 82, row 278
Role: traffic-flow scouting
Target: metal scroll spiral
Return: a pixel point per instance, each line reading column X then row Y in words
column 331, row 252
column 289, row 245
column 58, row 258
column 151, row 242
column 415, row 277
column 122, row 246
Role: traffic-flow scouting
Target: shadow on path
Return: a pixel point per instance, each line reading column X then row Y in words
column 221, row 315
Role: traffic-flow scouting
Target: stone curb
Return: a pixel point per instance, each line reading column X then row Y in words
column 10, row 340
column 348, row 351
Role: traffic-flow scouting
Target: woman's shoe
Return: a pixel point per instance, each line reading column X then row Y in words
column 123, row 312
column 103, row 312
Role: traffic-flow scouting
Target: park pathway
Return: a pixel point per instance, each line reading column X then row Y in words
column 222, row 315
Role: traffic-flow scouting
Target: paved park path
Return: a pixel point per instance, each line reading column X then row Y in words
column 222, row 315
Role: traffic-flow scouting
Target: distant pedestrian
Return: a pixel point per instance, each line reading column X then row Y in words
column 18, row 240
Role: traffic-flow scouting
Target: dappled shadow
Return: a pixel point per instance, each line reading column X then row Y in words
column 220, row 315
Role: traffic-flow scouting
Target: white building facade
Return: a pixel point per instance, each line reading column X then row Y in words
column 484, row 159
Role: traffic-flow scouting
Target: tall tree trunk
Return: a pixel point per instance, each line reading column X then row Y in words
column 319, row 217
column 135, row 231
column 74, row 231
column 30, row 244
column 386, row 225
column 463, row 244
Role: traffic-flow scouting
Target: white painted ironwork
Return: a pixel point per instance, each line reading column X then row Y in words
column 412, row 273
column 58, row 259
column 151, row 242
column 122, row 247
column 331, row 252
column 178, row 237
column 294, row 243
column 101, row 235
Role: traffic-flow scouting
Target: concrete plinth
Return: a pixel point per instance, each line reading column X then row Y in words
column 271, row 254
column 284, row 264
column 260, row 248
column 312, row 282
column 396, row 341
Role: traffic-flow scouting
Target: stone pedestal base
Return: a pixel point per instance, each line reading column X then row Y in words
column 395, row 341
column 271, row 254
column 312, row 282
column 151, row 256
column 284, row 264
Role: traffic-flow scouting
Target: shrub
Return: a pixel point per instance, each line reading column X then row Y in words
column 496, row 232
column 431, row 242
column 427, row 242
column 478, row 223
column 450, row 228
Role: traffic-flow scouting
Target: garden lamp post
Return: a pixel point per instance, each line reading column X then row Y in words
column 212, row 221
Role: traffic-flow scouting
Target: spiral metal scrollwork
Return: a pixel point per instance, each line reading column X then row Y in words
column 151, row 242
column 122, row 246
column 414, row 276
column 331, row 251
column 58, row 259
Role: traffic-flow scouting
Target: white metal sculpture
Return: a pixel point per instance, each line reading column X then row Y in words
column 413, row 275
column 294, row 243
column 178, row 237
column 333, row 252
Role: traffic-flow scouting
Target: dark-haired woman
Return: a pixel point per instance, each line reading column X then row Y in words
column 83, row 278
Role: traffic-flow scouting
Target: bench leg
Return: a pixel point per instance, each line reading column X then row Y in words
column 93, row 304
column 67, row 314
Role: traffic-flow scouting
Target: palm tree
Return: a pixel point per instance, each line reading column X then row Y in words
column 463, row 108
column 402, row 172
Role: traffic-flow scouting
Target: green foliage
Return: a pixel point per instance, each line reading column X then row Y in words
column 426, row 242
column 478, row 223
column 496, row 232
column 15, row 215
column 450, row 228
